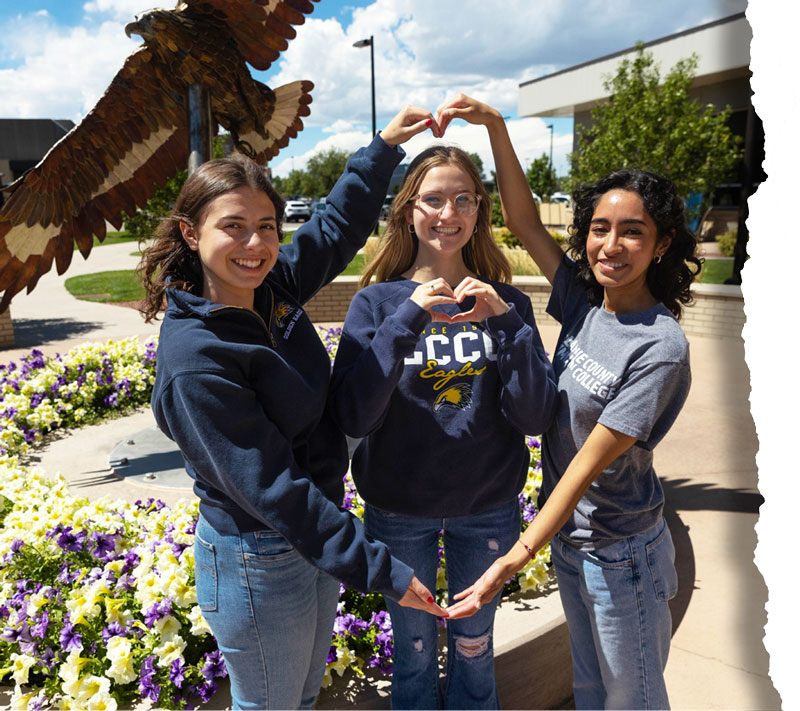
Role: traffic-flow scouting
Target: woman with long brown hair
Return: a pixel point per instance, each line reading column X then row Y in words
column 442, row 371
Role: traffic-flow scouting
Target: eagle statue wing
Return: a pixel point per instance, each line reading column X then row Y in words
column 135, row 138
column 261, row 29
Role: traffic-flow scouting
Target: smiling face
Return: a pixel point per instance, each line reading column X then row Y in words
column 622, row 243
column 237, row 241
column 445, row 231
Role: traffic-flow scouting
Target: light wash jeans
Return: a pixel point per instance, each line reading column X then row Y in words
column 616, row 604
column 472, row 543
column 271, row 612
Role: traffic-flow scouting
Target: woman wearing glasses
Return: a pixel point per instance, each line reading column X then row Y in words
column 442, row 371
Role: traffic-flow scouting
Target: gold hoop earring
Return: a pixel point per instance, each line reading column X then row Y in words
column 411, row 229
column 657, row 259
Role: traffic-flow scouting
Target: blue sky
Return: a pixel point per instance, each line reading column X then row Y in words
column 57, row 57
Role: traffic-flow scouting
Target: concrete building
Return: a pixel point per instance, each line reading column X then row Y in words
column 24, row 142
column 722, row 79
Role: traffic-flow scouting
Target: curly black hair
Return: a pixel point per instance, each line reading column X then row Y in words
column 670, row 279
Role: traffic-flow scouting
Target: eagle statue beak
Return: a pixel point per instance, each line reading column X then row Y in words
column 133, row 28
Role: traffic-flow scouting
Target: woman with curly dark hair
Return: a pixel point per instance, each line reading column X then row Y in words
column 622, row 366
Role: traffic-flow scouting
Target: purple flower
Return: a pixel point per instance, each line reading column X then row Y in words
column 205, row 691
column 70, row 541
column 115, row 629
column 176, row 675
column 214, row 666
column 147, row 688
column 157, row 611
column 332, row 656
column 70, row 639
column 39, row 629
column 104, row 545
column 9, row 635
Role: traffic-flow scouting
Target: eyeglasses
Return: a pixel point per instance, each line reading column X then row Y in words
column 465, row 204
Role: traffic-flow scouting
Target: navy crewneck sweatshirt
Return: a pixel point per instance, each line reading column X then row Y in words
column 443, row 408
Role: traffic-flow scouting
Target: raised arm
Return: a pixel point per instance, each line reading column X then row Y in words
column 601, row 448
column 326, row 244
column 519, row 207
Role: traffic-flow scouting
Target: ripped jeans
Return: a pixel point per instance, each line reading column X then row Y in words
column 472, row 543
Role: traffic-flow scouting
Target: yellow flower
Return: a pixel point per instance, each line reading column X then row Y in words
column 171, row 649
column 119, row 653
column 21, row 665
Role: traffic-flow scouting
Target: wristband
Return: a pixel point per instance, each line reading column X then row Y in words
column 531, row 553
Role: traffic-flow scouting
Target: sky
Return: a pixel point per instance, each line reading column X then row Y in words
column 57, row 57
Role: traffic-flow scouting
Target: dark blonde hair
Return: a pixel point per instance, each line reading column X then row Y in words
column 399, row 245
column 169, row 257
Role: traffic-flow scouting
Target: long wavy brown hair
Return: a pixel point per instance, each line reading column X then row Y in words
column 399, row 245
column 169, row 263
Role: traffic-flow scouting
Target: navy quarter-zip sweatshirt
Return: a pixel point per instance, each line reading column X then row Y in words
column 244, row 394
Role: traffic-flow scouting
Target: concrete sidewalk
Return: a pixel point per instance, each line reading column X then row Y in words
column 707, row 463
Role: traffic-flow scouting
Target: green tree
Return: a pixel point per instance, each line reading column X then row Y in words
column 323, row 170
column 657, row 126
column 143, row 222
column 476, row 159
column 541, row 177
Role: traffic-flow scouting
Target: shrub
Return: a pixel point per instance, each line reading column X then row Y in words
column 727, row 242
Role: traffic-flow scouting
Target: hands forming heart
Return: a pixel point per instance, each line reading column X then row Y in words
column 438, row 291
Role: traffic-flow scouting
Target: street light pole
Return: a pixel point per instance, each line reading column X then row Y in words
column 371, row 44
column 550, row 126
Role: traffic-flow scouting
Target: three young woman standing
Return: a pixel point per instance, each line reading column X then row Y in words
column 442, row 371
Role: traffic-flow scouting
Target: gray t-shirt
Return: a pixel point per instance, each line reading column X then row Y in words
column 629, row 372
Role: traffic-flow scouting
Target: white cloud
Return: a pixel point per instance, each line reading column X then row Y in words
column 121, row 10
column 65, row 71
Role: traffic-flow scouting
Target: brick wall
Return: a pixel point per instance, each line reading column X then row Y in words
column 6, row 329
column 718, row 310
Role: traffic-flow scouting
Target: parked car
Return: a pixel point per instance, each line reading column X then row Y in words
column 296, row 210
column 561, row 197
column 387, row 204
column 318, row 206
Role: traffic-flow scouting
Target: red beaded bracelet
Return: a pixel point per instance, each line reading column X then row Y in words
column 531, row 553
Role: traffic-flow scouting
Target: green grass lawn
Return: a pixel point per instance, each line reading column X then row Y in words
column 122, row 285
column 716, row 271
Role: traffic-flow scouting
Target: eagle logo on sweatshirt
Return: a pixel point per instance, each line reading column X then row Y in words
column 459, row 396
column 282, row 311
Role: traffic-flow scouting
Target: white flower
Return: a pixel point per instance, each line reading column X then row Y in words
column 171, row 649
column 21, row 665
column 119, row 653
column 199, row 625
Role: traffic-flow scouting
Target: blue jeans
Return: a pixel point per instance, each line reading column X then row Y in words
column 472, row 543
column 616, row 604
column 271, row 612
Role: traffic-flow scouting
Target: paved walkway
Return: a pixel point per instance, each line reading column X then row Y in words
column 707, row 463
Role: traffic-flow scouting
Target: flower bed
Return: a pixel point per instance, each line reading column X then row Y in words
column 97, row 600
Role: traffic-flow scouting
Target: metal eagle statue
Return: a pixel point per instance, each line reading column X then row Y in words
column 136, row 137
